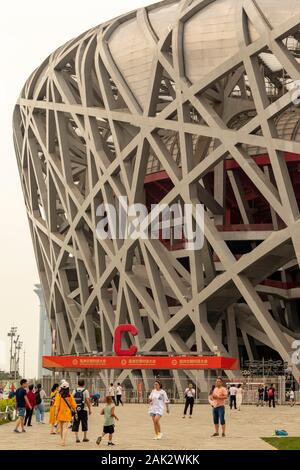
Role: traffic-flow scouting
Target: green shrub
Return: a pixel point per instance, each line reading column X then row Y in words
column 4, row 403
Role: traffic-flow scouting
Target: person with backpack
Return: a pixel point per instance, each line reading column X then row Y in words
column 271, row 396
column 83, row 402
column 40, row 395
column 65, row 407
column 52, row 420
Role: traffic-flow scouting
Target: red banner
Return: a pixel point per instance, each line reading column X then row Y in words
column 139, row 362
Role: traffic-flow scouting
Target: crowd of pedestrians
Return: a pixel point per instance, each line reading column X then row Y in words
column 28, row 400
column 70, row 410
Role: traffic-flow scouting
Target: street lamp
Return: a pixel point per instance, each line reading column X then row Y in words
column 18, row 348
column 12, row 333
column 15, row 356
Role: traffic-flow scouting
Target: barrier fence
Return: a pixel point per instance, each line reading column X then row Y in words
column 138, row 393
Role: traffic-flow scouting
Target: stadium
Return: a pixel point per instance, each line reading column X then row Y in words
column 189, row 102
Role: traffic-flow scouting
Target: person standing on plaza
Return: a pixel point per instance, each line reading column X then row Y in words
column 232, row 396
column 239, row 397
column 119, row 392
column 217, row 401
column 29, row 411
column 84, row 409
column 21, row 402
column 271, row 395
column 266, row 395
column 292, row 397
column 65, row 405
column 40, row 395
column 109, row 416
column 112, row 393
column 158, row 401
column 52, row 420
column 260, row 396
column 189, row 395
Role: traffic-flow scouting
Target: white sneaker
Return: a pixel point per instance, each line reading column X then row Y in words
column 160, row 435
column 155, row 437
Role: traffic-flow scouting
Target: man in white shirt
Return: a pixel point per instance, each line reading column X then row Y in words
column 232, row 396
column 119, row 391
column 111, row 393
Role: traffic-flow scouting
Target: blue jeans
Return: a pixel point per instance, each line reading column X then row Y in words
column 219, row 415
column 39, row 413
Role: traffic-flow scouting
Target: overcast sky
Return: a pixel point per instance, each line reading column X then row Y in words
column 29, row 31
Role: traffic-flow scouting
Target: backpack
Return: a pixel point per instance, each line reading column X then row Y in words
column 281, row 433
column 38, row 399
column 270, row 392
column 79, row 398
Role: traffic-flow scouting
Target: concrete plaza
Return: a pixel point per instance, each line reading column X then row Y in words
column 134, row 430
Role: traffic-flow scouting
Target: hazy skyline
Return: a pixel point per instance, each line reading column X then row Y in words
column 29, row 32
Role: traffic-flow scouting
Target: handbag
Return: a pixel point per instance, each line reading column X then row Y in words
column 73, row 412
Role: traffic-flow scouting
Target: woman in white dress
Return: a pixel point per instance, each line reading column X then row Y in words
column 158, row 401
column 239, row 397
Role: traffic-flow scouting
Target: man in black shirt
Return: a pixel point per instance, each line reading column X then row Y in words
column 261, row 391
column 21, row 401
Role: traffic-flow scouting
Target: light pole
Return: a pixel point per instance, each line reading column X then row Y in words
column 12, row 333
column 18, row 347
column 15, row 356
column 24, row 354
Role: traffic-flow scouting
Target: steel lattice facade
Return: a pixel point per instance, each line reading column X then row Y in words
column 183, row 100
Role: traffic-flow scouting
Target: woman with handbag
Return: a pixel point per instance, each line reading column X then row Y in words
column 65, row 406
column 52, row 419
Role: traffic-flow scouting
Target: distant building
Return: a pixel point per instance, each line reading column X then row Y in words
column 44, row 332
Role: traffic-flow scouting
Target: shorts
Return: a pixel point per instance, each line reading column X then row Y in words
column 219, row 415
column 155, row 414
column 109, row 429
column 21, row 412
column 82, row 417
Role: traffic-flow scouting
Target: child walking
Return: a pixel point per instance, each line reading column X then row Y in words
column 109, row 416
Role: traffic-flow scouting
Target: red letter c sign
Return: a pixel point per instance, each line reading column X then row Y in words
column 117, row 340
